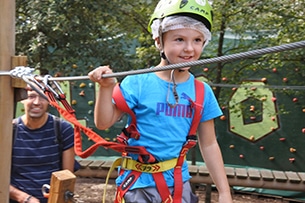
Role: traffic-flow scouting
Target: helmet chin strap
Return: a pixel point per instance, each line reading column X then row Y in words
column 162, row 54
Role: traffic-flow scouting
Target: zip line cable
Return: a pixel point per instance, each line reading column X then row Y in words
column 219, row 59
column 285, row 47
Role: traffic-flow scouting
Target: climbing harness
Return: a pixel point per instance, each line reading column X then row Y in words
column 147, row 163
column 145, row 160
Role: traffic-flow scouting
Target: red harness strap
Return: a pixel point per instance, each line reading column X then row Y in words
column 68, row 114
column 191, row 139
column 132, row 132
column 127, row 183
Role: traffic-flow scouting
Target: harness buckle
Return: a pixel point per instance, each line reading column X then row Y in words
column 124, row 162
column 191, row 141
column 147, row 158
column 132, row 131
column 123, row 138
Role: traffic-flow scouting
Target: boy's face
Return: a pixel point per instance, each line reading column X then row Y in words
column 35, row 106
column 183, row 45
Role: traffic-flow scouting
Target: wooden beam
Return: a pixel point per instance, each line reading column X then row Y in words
column 19, row 85
column 62, row 187
column 19, row 61
column 7, row 50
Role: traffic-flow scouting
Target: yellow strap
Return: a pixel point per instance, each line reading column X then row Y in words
column 115, row 164
column 131, row 164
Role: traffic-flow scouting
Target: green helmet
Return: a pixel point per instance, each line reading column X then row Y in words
column 199, row 9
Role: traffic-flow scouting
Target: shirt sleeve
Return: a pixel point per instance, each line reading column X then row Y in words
column 211, row 107
column 68, row 135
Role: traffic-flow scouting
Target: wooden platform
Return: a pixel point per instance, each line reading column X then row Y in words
column 244, row 177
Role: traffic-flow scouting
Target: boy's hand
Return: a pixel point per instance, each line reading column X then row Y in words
column 96, row 76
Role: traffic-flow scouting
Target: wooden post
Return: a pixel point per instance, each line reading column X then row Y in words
column 7, row 50
column 62, row 183
column 19, row 61
column 19, row 85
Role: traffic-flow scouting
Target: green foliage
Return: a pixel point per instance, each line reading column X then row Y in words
column 72, row 37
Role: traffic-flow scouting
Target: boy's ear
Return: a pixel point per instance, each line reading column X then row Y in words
column 157, row 43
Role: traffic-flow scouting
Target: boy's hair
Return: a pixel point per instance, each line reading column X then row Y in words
column 179, row 22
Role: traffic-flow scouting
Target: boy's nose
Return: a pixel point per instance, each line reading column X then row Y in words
column 188, row 47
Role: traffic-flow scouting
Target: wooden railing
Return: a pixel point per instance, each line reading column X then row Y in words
column 244, row 177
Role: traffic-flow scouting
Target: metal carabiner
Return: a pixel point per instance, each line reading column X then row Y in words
column 20, row 71
column 49, row 87
column 33, row 83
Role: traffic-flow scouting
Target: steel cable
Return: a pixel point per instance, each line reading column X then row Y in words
column 238, row 56
column 219, row 59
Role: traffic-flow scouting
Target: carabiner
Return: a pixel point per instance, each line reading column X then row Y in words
column 33, row 83
column 46, row 82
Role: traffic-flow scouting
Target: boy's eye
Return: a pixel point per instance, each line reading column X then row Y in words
column 198, row 40
column 179, row 39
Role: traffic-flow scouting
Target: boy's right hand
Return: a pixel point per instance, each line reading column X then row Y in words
column 96, row 76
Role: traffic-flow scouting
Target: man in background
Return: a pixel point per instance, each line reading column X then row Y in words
column 37, row 149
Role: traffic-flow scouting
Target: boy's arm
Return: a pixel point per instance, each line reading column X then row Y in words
column 105, row 112
column 213, row 158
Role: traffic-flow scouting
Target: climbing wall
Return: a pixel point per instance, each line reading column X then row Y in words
column 263, row 122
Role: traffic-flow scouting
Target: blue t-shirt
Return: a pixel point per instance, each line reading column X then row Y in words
column 36, row 155
column 163, row 129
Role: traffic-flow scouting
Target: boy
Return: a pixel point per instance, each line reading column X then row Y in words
column 162, row 107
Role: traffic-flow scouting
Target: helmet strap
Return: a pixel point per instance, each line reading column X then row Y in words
column 162, row 54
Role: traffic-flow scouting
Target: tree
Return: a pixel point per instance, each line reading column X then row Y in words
column 72, row 37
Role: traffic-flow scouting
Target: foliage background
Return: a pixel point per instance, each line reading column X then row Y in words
column 72, row 37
